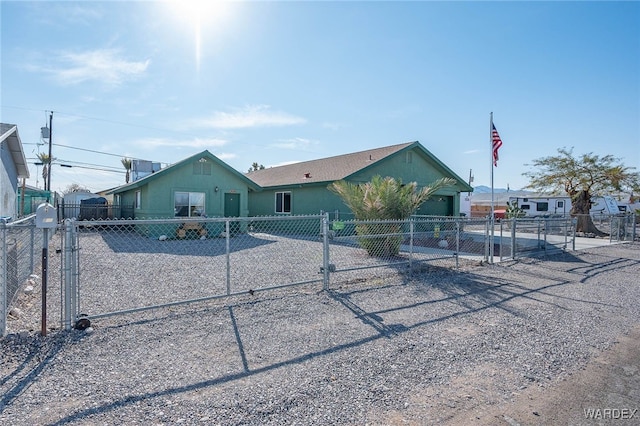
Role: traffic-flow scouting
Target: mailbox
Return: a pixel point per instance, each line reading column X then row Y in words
column 46, row 216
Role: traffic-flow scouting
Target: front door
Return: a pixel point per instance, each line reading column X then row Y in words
column 232, row 209
column 231, row 204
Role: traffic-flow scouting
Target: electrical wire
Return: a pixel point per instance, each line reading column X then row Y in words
column 100, row 152
column 81, row 165
column 96, row 168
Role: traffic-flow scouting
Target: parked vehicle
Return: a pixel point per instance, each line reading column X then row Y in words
column 561, row 206
column 542, row 206
column 605, row 206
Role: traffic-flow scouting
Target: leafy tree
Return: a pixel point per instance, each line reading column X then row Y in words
column 46, row 164
column 256, row 166
column 582, row 178
column 384, row 199
column 74, row 187
column 126, row 163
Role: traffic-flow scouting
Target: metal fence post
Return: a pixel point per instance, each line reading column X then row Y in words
column 68, row 282
column 458, row 244
column 75, row 262
column 538, row 240
column 3, row 278
column 74, row 272
column 325, row 251
column 546, row 226
column 486, row 240
column 45, row 278
column 514, row 244
column 227, row 227
column 610, row 229
column 411, row 236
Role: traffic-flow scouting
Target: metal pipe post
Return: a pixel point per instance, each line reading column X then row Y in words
column 325, row 252
column 45, row 273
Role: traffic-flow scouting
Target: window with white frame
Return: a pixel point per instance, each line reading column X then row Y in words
column 283, row 202
column 188, row 204
column 138, row 199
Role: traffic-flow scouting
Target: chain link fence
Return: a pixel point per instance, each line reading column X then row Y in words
column 120, row 266
column 522, row 236
column 619, row 227
column 102, row 268
column 403, row 245
column 20, row 260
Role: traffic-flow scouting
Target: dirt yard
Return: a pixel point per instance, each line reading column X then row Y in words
column 606, row 391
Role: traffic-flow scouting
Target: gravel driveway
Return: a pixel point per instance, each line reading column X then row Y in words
column 398, row 350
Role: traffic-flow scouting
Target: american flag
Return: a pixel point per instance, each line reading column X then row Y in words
column 497, row 143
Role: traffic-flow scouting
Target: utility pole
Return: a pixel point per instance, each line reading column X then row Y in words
column 48, row 188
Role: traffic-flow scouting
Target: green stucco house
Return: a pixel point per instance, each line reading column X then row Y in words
column 201, row 185
column 301, row 188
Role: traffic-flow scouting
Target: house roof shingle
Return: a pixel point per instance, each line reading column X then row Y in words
column 323, row 170
column 140, row 182
column 336, row 168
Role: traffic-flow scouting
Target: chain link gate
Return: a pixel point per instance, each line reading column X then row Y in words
column 20, row 245
column 114, row 267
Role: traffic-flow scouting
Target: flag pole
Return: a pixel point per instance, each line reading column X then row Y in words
column 491, row 162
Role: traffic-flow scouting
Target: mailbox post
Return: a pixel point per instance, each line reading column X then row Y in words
column 46, row 218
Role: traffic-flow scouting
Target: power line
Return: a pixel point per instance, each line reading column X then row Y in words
column 96, row 168
column 82, row 165
column 97, row 152
column 79, row 163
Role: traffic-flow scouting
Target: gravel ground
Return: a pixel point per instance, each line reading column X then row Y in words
column 414, row 350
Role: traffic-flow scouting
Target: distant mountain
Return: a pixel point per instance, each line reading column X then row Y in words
column 482, row 189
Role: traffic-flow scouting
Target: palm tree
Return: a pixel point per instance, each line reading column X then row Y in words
column 256, row 166
column 46, row 164
column 384, row 199
column 126, row 162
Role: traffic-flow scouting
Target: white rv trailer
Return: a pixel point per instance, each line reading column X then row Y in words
column 604, row 206
column 559, row 205
column 543, row 206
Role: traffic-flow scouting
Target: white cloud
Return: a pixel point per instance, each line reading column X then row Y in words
column 189, row 143
column 472, row 151
column 250, row 116
column 103, row 65
column 294, row 143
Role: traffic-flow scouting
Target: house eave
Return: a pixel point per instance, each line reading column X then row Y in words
column 15, row 149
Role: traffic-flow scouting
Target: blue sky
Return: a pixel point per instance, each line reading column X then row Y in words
column 280, row 82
